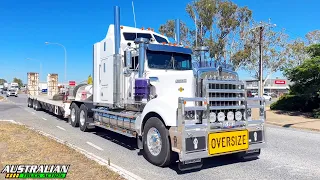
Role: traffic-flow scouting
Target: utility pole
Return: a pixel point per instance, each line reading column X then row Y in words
column 261, row 62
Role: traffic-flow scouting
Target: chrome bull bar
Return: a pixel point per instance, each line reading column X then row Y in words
column 187, row 128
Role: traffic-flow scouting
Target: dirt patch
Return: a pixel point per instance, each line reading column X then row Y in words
column 19, row 145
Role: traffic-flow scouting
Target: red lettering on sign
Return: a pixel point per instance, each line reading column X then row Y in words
column 280, row 82
column 72, row 83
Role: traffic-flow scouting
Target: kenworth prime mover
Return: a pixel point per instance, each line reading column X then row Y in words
column 147, row 88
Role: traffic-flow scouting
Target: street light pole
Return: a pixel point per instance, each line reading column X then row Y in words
column 65, row 59
column 261, row 63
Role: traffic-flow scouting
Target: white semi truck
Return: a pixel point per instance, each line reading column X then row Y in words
column 147, row 88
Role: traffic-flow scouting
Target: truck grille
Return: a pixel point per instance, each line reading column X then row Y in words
column 225, row 96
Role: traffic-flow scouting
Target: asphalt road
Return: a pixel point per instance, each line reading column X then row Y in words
column 290, row 154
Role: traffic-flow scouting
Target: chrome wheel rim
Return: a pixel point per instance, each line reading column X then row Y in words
column 154, row 141
column 73, row 114
column 82, row 118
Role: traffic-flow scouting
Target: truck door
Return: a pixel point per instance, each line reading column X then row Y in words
column 106, row 79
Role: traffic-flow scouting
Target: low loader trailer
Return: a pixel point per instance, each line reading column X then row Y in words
column 178, row 110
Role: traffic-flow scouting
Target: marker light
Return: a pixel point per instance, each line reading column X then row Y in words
column 230, row 116
column 213, row 117
column 238, row 116
column 221, row 116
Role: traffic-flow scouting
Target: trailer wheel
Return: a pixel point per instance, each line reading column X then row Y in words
column 37, row 106
column 29, row 103
column 74, row 115
column 83, row 118
column 156, row 144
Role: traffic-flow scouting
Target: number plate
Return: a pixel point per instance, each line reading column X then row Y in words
column 223, row 142
column 227, row 124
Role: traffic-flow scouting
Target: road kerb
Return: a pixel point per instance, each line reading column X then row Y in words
column 122, row 172
column 293, row 127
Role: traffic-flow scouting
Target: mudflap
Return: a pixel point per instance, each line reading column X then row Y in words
column 191, row 164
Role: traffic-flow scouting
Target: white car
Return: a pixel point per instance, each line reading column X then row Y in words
column 12, row 92
column 265, row 96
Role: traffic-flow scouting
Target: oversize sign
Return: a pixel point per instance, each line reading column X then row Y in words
column 228, row 141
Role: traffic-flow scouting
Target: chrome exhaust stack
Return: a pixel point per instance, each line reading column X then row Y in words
column 116, row 60
column 177, row 31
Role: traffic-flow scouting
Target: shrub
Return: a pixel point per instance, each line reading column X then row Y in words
column 316, row 113
column 295, row 103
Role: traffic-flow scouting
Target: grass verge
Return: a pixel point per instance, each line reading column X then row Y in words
column 20, row 145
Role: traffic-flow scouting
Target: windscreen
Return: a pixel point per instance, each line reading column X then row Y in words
column 133, row 36
column 169, row 60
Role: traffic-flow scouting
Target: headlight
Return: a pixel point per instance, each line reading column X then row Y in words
column 189, row 114
column 230, row 116
column 221, row 116
column 238, row 116
column 213, row 117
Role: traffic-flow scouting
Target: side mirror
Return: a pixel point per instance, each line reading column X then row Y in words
column 128, row 58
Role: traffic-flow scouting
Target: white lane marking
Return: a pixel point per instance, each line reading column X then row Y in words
column 95, row 146
column 33, row 113
column 26, row 109
column 44, row 119
column 61, row 128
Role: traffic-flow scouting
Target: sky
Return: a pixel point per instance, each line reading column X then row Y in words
column 25, row 26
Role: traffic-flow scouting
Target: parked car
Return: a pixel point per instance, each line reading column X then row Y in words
column 1, row 90
column 266, row 96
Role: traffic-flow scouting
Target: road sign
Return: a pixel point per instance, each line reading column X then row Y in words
column 280, row 82
column 72, row 83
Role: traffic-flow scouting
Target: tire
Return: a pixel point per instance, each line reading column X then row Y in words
column 83, row 118
column 74, row 115
column 30, row 103
column 37, row 106
column 162, row 158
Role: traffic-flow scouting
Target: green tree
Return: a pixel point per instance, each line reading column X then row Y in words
column 168, row 29
column 19, row 81
column 274, row 44
column 296, row 53
column 313, row 37
column 219, row 24
column 306, row 77
column 2, row 81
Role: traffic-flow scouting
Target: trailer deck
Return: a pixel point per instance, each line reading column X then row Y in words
column 46, row 102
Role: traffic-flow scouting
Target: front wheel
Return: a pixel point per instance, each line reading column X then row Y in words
column 156, row 145
column 74, row 115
